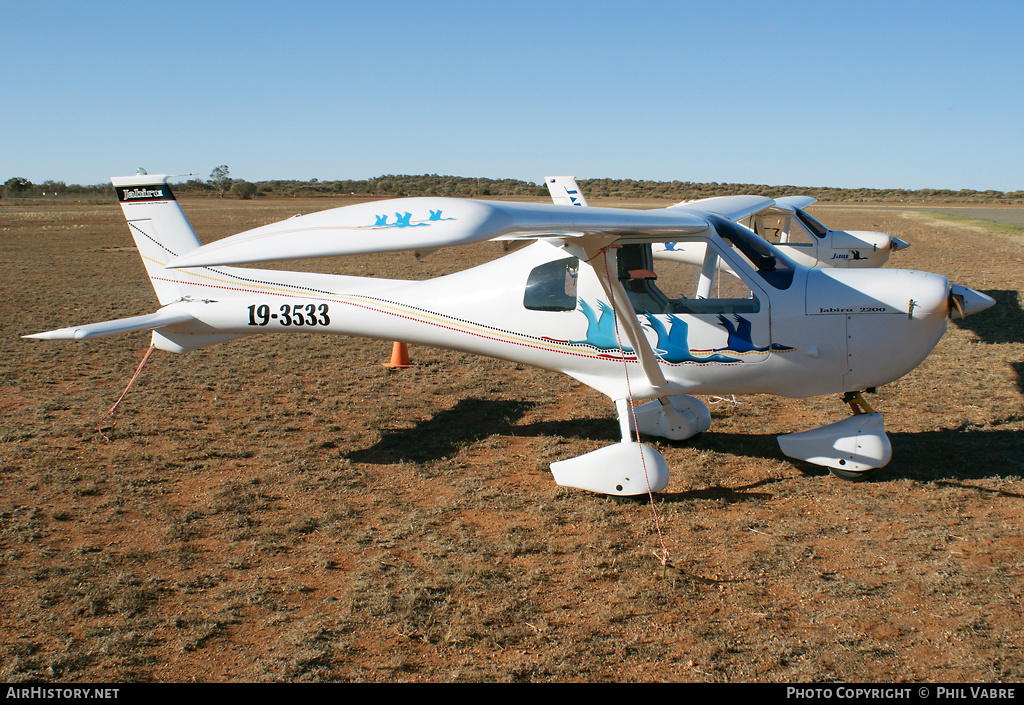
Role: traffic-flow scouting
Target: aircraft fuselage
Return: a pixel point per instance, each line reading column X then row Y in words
column 815, row 336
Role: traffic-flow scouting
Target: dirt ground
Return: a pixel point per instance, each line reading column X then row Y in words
column 285, row 509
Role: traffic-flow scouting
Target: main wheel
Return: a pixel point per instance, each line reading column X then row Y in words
column 852, row 475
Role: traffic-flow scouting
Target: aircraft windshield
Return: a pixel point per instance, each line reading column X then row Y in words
column 811, row 223
column 773, row 266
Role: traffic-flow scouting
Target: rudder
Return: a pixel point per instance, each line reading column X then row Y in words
column 159, row 227
column 564, row 191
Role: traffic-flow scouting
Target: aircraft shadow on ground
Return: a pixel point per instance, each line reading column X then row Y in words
column 1003, row 323
column 470, row 421
column 952, row 455
column 443, row 434
column 1018, row 369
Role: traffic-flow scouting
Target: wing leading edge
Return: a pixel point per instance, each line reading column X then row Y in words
column 734, row 208
column 788, row 204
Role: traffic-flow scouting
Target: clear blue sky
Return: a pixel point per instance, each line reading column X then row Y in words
column 867, row 94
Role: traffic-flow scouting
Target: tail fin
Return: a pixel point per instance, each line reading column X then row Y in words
column 160, row 228
column 564, row 191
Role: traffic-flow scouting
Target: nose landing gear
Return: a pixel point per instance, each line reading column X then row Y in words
column 851, row 449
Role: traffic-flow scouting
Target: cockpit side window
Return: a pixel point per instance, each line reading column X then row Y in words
column 700, row 282
column 697, row 282
column 635, row 265
column 552, row 286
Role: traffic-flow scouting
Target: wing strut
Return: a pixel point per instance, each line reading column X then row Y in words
column 625, row 315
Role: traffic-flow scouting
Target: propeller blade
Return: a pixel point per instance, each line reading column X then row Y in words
column 956, row 300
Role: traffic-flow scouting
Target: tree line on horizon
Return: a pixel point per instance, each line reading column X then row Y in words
column 401, row 185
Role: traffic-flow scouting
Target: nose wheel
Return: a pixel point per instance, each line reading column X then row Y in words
column 851, row 449
column 858, row 405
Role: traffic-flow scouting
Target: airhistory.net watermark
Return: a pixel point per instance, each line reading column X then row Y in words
column 62, row 693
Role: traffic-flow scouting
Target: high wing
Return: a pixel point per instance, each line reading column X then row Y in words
column 788, row 204
column 733, row 208
column 427, row 223
column 121, row 325
column 424, row 223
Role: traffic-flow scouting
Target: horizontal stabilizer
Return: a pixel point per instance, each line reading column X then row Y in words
column 121, row 325
column 428, row 223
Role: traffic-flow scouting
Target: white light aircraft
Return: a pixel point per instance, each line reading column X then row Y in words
column 805, row 239
column 581, row 300
column 783, row 222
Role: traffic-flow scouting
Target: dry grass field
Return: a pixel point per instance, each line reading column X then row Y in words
column 285, row 509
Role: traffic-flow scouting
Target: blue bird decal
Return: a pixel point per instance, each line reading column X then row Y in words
column 673, row 345
column 600, row 330
column 740, row 337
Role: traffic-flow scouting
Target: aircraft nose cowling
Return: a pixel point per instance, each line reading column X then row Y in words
column 896, row 244
column 861, row 239
column 963, row 301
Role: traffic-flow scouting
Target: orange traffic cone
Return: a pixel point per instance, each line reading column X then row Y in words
column 399, row 356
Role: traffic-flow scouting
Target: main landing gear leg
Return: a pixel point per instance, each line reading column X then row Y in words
column 625, row 416
column 851, row 449
column 676, row 418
